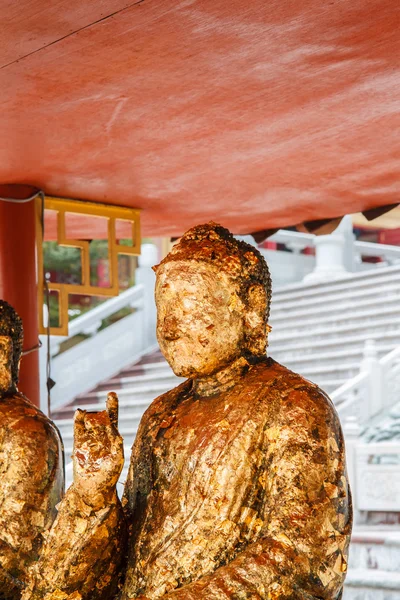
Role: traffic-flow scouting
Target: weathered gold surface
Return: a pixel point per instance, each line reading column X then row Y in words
column 243, row 493
column 237, row 486
column 31, row 469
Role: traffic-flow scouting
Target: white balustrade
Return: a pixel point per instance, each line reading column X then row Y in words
column 330, row 253
column 351, row 430
column 374, row 468
column 376, row 387
column 377, row 473
column 390, row 253
column 336, row 254
column 391, row 377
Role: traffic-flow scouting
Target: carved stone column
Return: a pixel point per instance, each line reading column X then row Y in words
column 351, row 431
column 332, row 254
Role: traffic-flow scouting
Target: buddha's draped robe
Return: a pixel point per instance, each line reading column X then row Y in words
column 31, row 485
column 242, row 494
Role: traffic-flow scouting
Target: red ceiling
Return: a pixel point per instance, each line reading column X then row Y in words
column 254, row 114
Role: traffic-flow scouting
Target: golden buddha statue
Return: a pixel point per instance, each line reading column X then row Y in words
column 237, row 486
column 31, row 466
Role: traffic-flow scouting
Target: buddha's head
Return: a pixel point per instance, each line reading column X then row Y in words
column 11, row 338
column 213, row 295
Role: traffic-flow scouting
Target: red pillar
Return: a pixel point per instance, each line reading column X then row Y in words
column 18, row 284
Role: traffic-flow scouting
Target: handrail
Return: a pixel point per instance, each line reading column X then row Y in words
column 390, row 356
column 372, row 249
column 366, row 248
column 104, row 310
column 284, row 237
column 342, row 393
column 352, row 383
column 348, row 387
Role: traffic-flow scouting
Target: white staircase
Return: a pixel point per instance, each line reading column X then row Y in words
column 319, row 331
column 374, row 564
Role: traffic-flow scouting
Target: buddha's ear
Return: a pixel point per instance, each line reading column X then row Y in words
column 254, row 321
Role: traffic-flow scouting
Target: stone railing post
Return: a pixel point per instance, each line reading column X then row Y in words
column 333, row 254
column 351, row 431
column 146, row 276
column 370, row 364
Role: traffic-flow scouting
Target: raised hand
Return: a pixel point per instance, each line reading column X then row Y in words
column 98, row 456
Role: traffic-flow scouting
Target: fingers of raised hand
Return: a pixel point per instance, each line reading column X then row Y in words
column 79, row 427
column 112, row 408
column 96, row 437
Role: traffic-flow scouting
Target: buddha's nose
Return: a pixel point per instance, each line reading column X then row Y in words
column 171, row 329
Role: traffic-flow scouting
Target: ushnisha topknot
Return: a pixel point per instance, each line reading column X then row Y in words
column 214, row 244
column 11, row 326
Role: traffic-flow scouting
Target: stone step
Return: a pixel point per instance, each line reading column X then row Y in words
column 297, row 293
column 295, row 358
column 387, row 339
column 337, row 304
column 371, row 584
column 333, row 303
column 299, row 360
column 373, row 316
column 148, row 368
column 153, row 387
column 375, row 547
column 373, row 292
column 152, row 357
column 166, row 376
column 371, row 313
column 326, row 331
column 346, row 370
column 150, row 390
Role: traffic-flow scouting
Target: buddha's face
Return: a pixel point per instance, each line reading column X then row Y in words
column 6, row 356
column 199, row 318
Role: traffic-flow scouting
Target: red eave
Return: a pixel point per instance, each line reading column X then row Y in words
column 253, row 114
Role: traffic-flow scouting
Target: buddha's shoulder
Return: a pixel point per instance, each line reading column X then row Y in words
column 166, row 402
column 289, row 390
column 274, row 374
column 20, row 416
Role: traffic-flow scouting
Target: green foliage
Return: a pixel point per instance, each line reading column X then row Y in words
column 62, row 259
column 64, row 263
